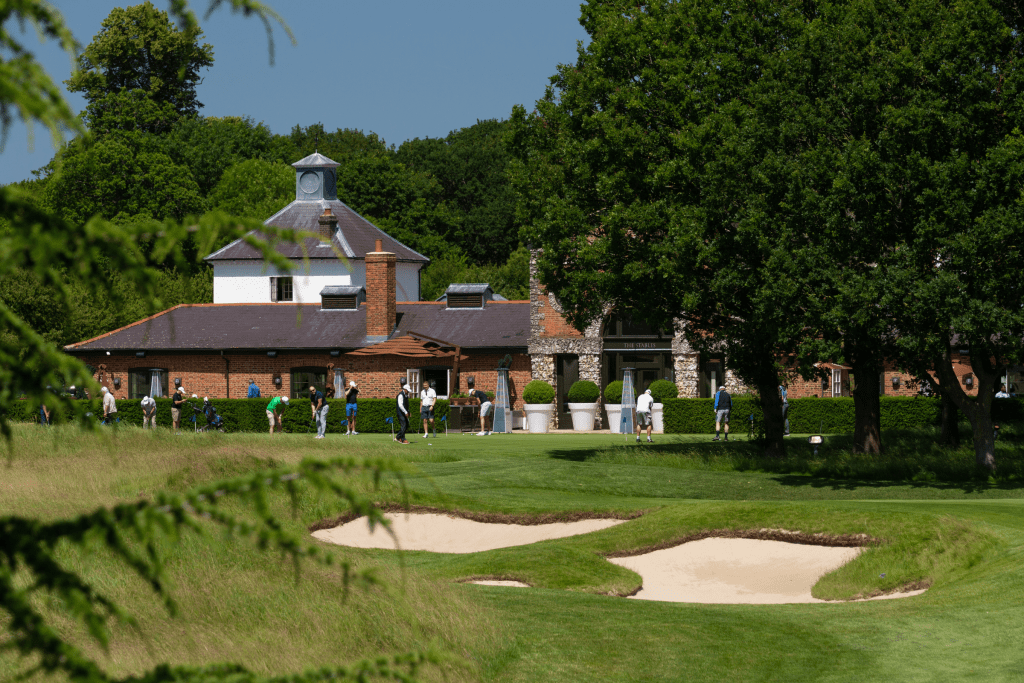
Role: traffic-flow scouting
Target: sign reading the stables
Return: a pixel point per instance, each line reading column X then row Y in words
column 616, row 345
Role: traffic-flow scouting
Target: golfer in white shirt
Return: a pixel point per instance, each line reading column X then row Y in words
column 427, row 399
column 644, row 404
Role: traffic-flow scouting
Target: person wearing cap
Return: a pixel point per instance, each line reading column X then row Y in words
column 177, row 399
column 644, row 405
column 402, row 408
column 319, row 410
column 274, row 411
column 109, row 405
column 428, row 396
column 485, row 406
column 723, row 405
column 351, row 407
column 148, row 412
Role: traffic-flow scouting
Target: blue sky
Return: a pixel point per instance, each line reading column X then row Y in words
column 400, row 68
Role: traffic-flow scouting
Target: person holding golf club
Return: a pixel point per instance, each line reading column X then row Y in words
column 402, row 409
column 428, row 396
column 177, row 400
column 351, row 407
column 275, row 409
column 318, row 405
column 109, row 405
column 485, row 406
column 148, row 412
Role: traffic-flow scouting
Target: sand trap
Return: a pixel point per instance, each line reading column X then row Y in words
column 737, row 570
column 443, row 534
column 509, row 584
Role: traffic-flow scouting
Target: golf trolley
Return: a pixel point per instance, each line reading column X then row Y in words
column 214, row 422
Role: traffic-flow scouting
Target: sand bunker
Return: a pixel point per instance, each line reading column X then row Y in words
column 737, row 570
column 442, row 534
column 509, row 584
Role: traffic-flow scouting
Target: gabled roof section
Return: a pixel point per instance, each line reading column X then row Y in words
column 354, row 238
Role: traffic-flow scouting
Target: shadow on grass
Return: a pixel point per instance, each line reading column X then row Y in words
column 911, row 458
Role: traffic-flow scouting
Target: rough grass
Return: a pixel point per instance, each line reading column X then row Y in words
column 238, row 604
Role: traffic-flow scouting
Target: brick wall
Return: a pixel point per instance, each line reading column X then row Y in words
column 377, row 376
column 800, row 388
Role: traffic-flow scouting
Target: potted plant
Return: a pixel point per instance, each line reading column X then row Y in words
column 538, row 397
column 661, row 390
column 461, row 398
column 583, row 405
column 613, row 406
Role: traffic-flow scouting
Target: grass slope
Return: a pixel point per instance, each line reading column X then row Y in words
column 939, row 522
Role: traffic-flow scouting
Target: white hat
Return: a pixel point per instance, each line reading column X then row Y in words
column 72, row 387
column 104, row 390
column 145, row 398
column 194, row 396
column 352, row 383
column 648, row 392
column 206, row 399
column 284, row 398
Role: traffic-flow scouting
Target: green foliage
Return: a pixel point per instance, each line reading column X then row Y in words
column 511, row 280
column 662, row 389
column 470, row 166
column 697, row 415
column 139, row 50
column 538, row 392
column 254, row 188
column 584, row 391
column 613, row 392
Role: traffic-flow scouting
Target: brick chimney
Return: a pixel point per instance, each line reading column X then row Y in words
column 380, row 293
column 328, row 224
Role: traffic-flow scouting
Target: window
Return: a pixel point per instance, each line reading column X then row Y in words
column 413, row 377
column 280, row 289
column 465, row 301
column 339, row 383
column 437, row 375
column 147, row 382
column 344, row 303
column 303, row 378
column 837, row 382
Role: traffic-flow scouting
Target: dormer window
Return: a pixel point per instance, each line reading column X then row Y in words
column 471, row 295
column 281, row 289
column 341, row 298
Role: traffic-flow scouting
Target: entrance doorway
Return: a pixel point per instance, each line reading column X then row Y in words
column 567, row 373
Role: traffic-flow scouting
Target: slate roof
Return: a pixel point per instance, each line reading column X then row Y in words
column 354, row 238
column 259, row 327
column 316, row 160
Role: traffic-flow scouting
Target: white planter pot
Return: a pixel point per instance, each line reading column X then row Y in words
column 538, row 417
column 614, row 417
column 658, row 418
column 583, row 416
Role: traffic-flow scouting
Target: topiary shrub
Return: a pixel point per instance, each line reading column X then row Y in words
column 538, row 392
column 662, row 389
column 613, row 393
column 584, row 391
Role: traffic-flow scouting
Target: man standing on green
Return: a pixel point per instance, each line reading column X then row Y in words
column 316, row 401
column 274, row 411
column 723, row 406
column 176, row 402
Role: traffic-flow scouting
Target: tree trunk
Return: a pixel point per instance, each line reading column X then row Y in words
column 771, row 406
column 867, row 428
column 979, row 411
column 950, row 418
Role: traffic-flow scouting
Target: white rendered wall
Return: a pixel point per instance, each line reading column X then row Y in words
column 248, row 282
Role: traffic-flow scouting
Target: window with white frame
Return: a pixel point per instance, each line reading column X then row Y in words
column 837, row 381
column 412, row 376
column 281, row 289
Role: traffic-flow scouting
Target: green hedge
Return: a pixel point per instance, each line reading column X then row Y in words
column 250, row 414
column 830, row 415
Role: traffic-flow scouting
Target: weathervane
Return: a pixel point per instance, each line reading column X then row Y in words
column 316, row 141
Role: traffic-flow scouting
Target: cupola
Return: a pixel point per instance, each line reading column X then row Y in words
column 315, row 178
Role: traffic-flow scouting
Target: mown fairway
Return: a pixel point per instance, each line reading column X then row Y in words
column 939, row 524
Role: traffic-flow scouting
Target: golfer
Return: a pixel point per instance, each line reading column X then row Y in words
column 148, row 412
column 319, row 409
column 176, row 402
column 402, row 408
column 644, row 405
column 109, row 405
column 275, row 409
column 352, row 407
column 723, row 404
column 427, row 399
column 784, row 395
column 485, row 408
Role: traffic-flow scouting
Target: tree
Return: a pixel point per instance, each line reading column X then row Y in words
column 784, row 179
column 470, row 165
column 34, row 571
column 138, row 55
column 254, row 188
